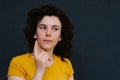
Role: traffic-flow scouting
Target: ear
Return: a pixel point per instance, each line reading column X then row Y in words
column 35, row 37
column 60, row 39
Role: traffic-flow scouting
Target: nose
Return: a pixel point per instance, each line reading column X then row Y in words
column 48, row 33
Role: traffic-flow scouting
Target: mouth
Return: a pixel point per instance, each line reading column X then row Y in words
column 47, row 40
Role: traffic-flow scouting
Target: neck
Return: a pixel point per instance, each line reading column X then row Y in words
column 50, row 52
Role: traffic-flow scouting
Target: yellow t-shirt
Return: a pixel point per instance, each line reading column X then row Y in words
column 24, row 66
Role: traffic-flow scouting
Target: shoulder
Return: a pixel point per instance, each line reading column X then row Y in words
column 69, row 68
column 25, row 55
column 18, row 64
column 21, row 58
column 66, row 62
column 65, row 65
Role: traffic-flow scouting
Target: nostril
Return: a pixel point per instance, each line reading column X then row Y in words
column 48, row 35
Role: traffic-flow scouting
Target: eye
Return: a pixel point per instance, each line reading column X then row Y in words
column 43, row 27
column 55, row 29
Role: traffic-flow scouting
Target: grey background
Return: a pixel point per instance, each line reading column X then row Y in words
column 96, row 44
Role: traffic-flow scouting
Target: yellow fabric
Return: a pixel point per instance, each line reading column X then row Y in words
column 24, row 66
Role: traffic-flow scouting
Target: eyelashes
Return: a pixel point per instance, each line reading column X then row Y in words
column 53, row 27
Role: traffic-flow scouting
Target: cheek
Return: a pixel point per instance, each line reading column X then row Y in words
column 57, row 36
column 39, row 32
column 40, row 35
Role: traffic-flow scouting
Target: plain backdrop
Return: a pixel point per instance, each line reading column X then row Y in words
column 96, row 43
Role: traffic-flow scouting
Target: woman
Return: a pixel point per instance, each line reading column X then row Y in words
column 49, row 34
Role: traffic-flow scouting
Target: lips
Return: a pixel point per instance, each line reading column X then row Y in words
column 47, row 40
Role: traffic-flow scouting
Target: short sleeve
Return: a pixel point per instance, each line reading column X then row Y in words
column 15, row 68
column 70, row 70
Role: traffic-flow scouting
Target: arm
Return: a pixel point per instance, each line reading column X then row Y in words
column 41, row 64
column 15, row 78
column 72, row 78
column 41, row 60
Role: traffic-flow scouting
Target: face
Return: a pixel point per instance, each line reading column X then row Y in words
column 48, row 32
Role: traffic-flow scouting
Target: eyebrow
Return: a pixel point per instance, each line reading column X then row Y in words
column 41, row 25
column 46, row 25
column 56, row 26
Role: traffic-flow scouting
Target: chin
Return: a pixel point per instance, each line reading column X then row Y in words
column 47, row 47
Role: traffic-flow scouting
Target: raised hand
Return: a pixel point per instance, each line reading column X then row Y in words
column 42, row 58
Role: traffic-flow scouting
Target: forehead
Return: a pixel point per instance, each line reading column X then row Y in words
column 50, row 20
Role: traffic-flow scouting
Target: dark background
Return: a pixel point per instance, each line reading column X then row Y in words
column 96, row 44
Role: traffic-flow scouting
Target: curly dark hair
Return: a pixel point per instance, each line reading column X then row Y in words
column 63, row 47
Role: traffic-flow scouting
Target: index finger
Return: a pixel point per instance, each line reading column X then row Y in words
column 37, row 49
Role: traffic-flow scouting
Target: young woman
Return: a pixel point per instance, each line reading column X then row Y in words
column 49, row 34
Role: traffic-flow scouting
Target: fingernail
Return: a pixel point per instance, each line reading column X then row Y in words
column 48, row 59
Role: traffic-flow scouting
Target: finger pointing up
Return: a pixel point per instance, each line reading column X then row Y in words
column 37, row 49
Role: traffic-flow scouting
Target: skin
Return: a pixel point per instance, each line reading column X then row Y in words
column 48, row 34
